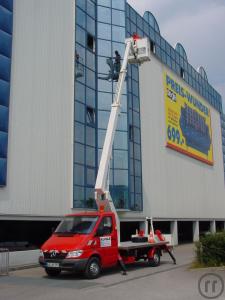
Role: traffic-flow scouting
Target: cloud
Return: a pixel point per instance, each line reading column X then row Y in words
column 199, row 26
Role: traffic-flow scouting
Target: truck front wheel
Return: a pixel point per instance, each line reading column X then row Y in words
column 52, row 272
column 93, row 268
column 155, row 260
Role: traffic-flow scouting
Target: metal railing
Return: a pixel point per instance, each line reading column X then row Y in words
column 4, row 261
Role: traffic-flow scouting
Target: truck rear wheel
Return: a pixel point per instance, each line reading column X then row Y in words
column 93, row 268
column 155, row 260
column 52, row 272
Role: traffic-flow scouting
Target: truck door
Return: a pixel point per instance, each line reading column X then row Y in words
column 106, row 236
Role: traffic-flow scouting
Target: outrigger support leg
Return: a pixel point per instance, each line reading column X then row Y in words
column 122, row 265
column 171, row 255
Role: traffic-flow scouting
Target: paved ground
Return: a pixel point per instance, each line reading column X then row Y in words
column 165, row 282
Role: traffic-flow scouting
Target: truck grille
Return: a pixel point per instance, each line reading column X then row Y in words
column 52, row 255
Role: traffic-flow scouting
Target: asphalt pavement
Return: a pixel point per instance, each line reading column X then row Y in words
column 168, row 281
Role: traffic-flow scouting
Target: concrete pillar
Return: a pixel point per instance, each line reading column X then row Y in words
column 195, row 231
column 174, row 232
column 213, row 226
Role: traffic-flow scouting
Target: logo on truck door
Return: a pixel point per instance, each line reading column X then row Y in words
column 105, row 241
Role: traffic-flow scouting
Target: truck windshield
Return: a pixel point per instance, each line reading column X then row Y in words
column 77, row 224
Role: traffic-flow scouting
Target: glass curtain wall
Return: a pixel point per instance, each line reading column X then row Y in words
column 100, row 32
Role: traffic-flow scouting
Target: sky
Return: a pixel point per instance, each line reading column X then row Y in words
column 199, row 25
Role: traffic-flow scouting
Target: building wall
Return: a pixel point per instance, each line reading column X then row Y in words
column 40, row 151
column 175, row 185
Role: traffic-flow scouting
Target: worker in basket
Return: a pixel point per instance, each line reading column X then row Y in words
column 117, row 65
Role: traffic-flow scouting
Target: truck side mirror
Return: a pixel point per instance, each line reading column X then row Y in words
column 99, row 232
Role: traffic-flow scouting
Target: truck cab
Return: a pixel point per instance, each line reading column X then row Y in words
column 84, row 242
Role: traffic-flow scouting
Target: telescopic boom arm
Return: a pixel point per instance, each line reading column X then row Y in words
column 137, row 51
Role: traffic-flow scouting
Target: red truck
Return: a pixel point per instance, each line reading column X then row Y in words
column 88, row 242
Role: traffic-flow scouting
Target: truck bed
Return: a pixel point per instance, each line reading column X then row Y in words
column 130, row 245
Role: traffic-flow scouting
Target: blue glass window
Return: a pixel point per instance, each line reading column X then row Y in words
column 90, row 202
column 90, row 97
column 104, row 48
column 104, row 14
column 104, row 86
column 90, row 136
column 104, row 31
column 80, row 36
column 81, row 4
column 78, row 196
column 103, row 117
column 133, row 15
column 137, row 168
column 90, row 8
column 90, row 25
column 118, row 17
column 3, row 144
column 122, row 122
column 138, row 201
column 120, row 141
column 4, row 112
column 104, row 101
column 90, row 80
column 79, row 112
column 101, row 137
column 137, row 138
column 120, row 159
column 90, row 60
column 121, row 178
column 104, row 2
column 137, row 151
column 78, row 174
column 4, row 92
column 136, row 119
column 80, row 17
column 79, row 132
column 138, row 185
column 79, row 153
column 102, row 65
column 5, row 19
column 79, row 92
column 90, row 156
column 90, row 176
column 118, row 34
column 5, row 67
column 5, row 43
column 133, row 28
column 118, row 4
column 81, row 52
column 136, row 105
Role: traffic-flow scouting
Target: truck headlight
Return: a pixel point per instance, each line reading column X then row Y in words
column 41, row 254
column 74, row 254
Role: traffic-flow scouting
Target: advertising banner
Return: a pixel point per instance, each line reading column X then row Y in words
column 188, row 122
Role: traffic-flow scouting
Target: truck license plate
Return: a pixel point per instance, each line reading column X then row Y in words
column 52, row 265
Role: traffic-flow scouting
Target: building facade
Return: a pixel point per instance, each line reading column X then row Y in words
column 63, row 79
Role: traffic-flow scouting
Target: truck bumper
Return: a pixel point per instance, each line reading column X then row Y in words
column 65, row 264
